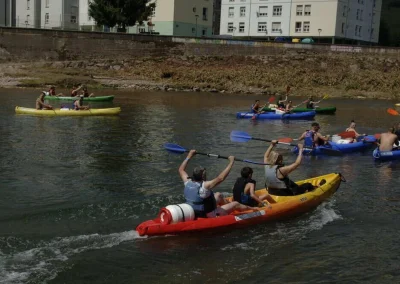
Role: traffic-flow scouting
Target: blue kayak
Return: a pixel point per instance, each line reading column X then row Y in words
column 364, row 142
column 386, row 155
column 270, row 115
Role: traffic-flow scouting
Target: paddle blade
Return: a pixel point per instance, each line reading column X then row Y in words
column 325, row 97
column 174, row 148
column 271, row 100
column 347, row 134
column 377, row 136
column 392, row 111
column 239, row 136
column 285, row 140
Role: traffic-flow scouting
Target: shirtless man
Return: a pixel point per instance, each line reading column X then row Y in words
column 40, row 103
column 256, row 108
column 52, row 92
column 387, row 140
column 75, row 90
column 85, row 92
column 289, row 107
column 78, row 104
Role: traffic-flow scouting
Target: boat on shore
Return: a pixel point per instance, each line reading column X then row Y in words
column 68, row 112
column 171, row 221
column 86, row 99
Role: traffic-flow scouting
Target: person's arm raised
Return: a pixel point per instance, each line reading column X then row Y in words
column 286, row 170
column 273, row 143
column 182, row 168
column 222, row 176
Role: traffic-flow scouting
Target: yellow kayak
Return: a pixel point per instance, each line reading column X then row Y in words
column 398, row 105
column 283, row 207
column 68, row 112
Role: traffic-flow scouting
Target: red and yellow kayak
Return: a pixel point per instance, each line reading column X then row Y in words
column 284, row 207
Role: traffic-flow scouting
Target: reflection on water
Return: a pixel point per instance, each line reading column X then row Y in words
column 74, row 188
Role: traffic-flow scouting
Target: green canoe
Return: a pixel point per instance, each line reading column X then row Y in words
column 92, row 99
column 319, row 110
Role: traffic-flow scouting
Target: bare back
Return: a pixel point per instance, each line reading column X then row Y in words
column 387, row 141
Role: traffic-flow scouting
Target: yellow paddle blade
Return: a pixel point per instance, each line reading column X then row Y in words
column 392, row 111
column 325, row 97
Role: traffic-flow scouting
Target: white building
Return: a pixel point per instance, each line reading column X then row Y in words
column 48, row 14
column 180, row 18
column 334, row 19
column 86, row 22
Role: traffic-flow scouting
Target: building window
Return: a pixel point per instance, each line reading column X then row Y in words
column 230, row 27
column 359, row 30
column 307, row 10
column 358, row 14
column 277, row 11
column 374, row 3
column 242, row 0
column 73, row 19
column 231, row 12
column 299, row 10
column 298, row 27
column 89, row 18
column 263, row 11
column 205, row 14
column 361, row 15
column 356, row 30
column 28, row 4
column 153, row 12
column 142, row 29
column 242, row 11
column 306, row 27
column 241, row 27
column 343, row 26
column 372, row 33
column 262, row 27
column 276, row 27
column 46, row 18
column 48, row 3
column 204, row 32
column 193, row 30
column 344, row 10
column 231, row 0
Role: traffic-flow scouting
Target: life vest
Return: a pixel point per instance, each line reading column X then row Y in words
column 271, row 179
column 238, row 191
column 309, row 139
column 256, row 110
column 201, row 206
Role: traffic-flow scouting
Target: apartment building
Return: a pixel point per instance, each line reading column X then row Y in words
column 356, row 20
column 47, row 14
column 179, row 18
column 86, row 22
column 7, row 13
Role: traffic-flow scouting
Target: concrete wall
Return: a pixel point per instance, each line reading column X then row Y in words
column 18, row 44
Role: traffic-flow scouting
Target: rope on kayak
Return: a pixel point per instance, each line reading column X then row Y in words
column 342, row 178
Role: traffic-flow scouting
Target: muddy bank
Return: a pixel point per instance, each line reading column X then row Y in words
column 339, row 75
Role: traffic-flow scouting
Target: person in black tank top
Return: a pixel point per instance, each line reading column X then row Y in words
column 244, row 190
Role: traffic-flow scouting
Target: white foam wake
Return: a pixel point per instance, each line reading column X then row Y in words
column 45, row 261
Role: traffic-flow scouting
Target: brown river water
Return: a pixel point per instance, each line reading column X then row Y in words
column 74, row 188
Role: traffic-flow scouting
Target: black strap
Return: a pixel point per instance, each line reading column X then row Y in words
column 183, row 213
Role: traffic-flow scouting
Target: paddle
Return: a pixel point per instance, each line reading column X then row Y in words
column 180, row 150
column 240, row 136
column 392, row 111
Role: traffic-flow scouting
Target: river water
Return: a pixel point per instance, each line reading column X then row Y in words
column 74, row 188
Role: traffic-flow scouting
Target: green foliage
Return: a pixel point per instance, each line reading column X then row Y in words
column 121, row 13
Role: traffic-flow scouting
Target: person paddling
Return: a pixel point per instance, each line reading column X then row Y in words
column 75, row 90
column 244, row 190
column 256, row 108
column 313, row 138
column 387, row 140
column 277, row 175
column 78, row 104
column 40, row 105
column 52, row 92
column 352, row 128
column 311, row 104
column 198, row 191
column 289, row 107
column 85, row 92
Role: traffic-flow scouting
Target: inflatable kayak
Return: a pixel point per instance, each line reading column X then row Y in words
column 342, row 146
column 68, row 112
column 270, row 115
column 92, row 99
column 319, row 110
column 176, row 219
column 386, row 155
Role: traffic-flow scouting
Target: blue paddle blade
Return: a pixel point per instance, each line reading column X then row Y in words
column 174, row 148
column 239, row 136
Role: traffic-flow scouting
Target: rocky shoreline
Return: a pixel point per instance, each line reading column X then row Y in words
column 338, row 75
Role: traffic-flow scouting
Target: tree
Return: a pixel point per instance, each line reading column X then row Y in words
column 121, row 13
